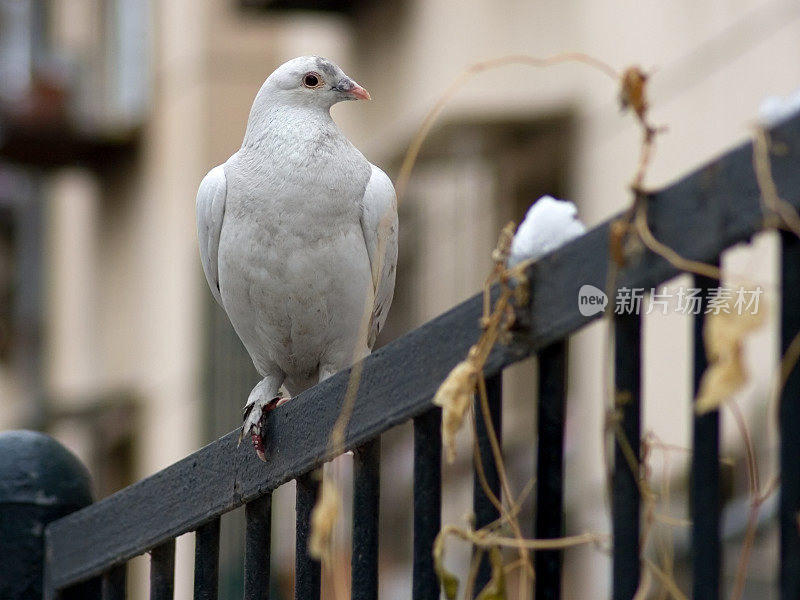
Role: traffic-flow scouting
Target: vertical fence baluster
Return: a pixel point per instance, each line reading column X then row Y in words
column 162, row 571
column 550, row 467
column 306, row 569
column 625, row 491
column 705, row 482
column 485, row 511
column 258, row 515
column 366, row 500
column 427, row 501
column 206, row 561
column 790, row 422
column 115, row 582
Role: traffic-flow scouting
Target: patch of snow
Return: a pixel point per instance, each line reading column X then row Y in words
column 776, row 109
column 549, row 224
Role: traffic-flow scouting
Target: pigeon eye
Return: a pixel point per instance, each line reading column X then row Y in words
column 311, row 80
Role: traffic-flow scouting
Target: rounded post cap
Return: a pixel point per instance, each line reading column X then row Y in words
column 36, row 469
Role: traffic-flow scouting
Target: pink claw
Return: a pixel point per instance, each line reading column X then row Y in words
column 258, row 444
column 258, row 441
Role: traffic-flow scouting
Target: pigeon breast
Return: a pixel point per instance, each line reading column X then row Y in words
column 294, row 270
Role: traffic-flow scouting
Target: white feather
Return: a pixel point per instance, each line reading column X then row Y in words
column 380, row 226
column 210, row 213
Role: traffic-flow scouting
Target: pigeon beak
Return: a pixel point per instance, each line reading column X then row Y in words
column 352, row 89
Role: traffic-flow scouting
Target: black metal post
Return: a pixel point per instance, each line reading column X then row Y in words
column 427, row 501
column 162, row 571
column 115, row 582
column 366, row 501
column 40, row 481
column 550, row 467
column 307, row 569
column 485, row 511
column 206, row 561
column 790, row 423
column 258, row 514
column 705, row 481
column 625, row 499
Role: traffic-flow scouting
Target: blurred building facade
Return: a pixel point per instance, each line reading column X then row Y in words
column 111, row 111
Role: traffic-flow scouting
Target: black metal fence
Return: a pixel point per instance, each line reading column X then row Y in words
column 700, row 216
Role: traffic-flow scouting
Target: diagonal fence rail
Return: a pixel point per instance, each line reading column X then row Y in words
column 715, row 207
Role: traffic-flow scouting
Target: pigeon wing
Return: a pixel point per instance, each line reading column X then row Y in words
column 379, row 224
column 210, row 213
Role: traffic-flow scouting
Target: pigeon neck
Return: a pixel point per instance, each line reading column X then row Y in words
column 266, row 120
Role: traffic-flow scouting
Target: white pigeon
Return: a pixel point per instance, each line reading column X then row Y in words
column 298, row 237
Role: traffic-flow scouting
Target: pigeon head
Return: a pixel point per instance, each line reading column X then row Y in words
column 313, row 81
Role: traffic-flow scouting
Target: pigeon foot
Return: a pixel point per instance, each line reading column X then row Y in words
column 255, row 417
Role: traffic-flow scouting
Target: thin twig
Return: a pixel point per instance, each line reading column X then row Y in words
column 481, row 473
column 772, row 203
column 506, row 487
column 665, row 580
column 789, row 362
column 473, row 571
column 755, row 502
column 470, row 72
column 675, row 259
column 487, row 541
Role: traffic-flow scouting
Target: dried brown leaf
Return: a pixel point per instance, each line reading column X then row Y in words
column 448, row 581
column 496, row 588
column 724, row 335
column 618, row 232
column 632, row 91
column 503, row 250
column 455, row 397
column 323, row 521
